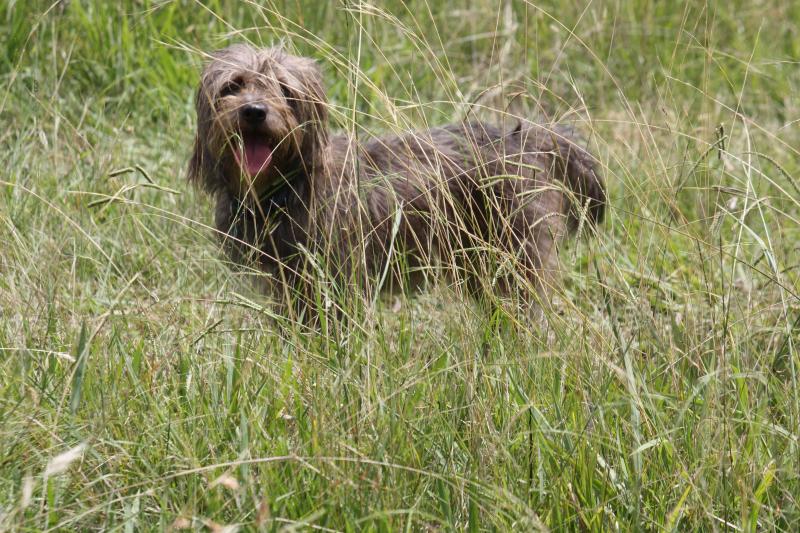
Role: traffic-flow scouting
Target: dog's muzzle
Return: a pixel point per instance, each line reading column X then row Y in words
column 254, row 114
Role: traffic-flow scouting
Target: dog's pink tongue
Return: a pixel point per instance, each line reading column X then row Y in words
column 254, row 157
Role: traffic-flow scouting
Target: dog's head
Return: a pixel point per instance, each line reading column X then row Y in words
column 261, row 117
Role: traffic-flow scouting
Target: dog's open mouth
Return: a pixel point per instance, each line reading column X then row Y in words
column 253, row 155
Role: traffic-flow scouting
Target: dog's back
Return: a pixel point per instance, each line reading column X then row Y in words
column 480, row 156
column 468, row 197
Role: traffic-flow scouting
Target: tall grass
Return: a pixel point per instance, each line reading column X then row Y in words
column 144, row 385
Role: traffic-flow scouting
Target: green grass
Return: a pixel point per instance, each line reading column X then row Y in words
column 662, row 394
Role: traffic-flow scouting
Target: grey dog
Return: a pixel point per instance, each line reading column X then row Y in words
column 322, row 214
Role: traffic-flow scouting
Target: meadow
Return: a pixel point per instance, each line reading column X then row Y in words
column 145, row 385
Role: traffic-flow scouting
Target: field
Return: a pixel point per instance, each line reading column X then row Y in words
column 146, row 385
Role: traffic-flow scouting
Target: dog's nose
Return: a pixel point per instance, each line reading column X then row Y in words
column 254, row 113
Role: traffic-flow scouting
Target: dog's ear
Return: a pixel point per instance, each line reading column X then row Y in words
column 196, row 171
column 203, row 168
column 198, row 160
column 312, row 106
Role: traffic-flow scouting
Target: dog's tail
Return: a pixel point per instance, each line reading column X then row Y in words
column 576, row 167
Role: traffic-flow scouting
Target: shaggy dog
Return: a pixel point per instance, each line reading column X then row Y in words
column 328, row 215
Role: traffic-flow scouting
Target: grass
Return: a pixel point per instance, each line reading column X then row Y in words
column 143, row 384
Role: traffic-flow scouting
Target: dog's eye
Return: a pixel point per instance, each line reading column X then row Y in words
column 231, row 88
column 286, row 92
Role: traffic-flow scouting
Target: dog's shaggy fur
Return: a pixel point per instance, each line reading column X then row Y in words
column 479, row 204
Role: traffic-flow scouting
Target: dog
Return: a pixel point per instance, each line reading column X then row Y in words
column 326, row 215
